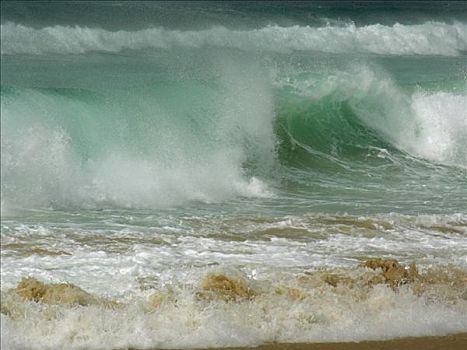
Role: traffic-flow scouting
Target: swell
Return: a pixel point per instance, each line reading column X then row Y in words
column 430, row 38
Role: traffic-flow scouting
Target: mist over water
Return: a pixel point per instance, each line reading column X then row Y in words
column 158, row 145
column 154, row 153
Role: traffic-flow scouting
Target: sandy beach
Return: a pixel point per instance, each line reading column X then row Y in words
column 449, row 342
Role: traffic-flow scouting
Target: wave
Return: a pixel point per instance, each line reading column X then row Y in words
column 175, row 142
column 157, row 146
column 225, row 307
column 430, row 38
column 346, row 112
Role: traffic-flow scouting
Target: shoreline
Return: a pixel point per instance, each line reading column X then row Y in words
column 457, row 341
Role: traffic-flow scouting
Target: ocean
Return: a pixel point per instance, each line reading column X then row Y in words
column 213, row 174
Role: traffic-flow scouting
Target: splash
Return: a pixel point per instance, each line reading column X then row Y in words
column 364, row 106
column 156, row 147
column 381, row 299
column 217, row 286
column 63, row 293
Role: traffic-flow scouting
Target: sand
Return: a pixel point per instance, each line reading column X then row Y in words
column 452, row 342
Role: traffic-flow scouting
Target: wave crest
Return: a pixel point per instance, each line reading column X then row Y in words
column 363, row 107
column 430, row 38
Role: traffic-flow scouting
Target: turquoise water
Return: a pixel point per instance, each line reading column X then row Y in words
column 165, row 141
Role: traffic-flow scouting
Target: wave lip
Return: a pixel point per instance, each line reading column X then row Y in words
column 365, row 106
column 430, row 38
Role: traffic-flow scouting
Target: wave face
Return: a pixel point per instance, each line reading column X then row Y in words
column 431, row 38
column 174, row 142
column 364, row 107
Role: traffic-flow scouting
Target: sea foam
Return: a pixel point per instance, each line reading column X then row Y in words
column 228, row 308
column 430, row 38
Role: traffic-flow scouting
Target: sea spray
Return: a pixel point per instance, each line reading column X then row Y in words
column 159, row 147
column 88, row 148
column 229, row 308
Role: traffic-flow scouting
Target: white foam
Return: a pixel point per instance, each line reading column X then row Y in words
column 427, row 125
column 166, row 248
column 128, row 263
column 430, row 38
column 181, row 320
column 42, row 164
column 441, row 127
column 430, row 125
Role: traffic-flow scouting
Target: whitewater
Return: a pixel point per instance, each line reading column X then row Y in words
column 432, row 38
column 190, row 175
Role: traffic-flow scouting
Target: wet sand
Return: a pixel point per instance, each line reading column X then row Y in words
column 450, row 342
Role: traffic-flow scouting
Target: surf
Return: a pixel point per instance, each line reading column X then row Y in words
column 430, row 38
column 174, row 142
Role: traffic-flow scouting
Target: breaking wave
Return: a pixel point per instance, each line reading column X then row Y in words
column 430, row 38
column 380, row 300
column 171, row 142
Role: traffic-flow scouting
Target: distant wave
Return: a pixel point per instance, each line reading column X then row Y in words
column 430, row 38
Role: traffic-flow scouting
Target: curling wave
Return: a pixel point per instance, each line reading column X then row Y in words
column 170, row 143
column 346, row 112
